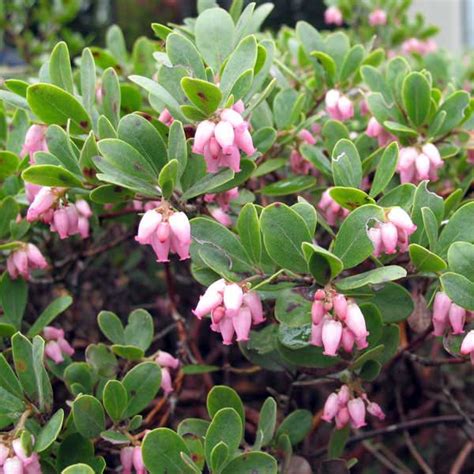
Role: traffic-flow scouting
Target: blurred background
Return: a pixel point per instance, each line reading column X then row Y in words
column 28, row 27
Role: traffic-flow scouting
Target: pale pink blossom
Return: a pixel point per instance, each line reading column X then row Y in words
column 21, row 261
column 378, row 17
column 166, row 383
column 375, row 130
column 331, row 210
column 338, row 106
column 35, row 140
column 356, row 408
column 126, row 459
column 165, row 359
column 57, row 346
column 467, row 345
column 333, row 16
column 138, row 460
column 165, row 117
column 331, row 407
column 457, row 318
column 441, row 306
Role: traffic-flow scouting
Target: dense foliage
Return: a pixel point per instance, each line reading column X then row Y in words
column 314, row 189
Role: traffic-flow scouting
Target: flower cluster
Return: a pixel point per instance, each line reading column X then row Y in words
column 167, row 363
column 343, row 327
column 298, row 164
column 50, row 206
column 232, row 310
column 131, row 458
column 330, row 209
column 35, row 140
column 220, row 142
column 415, row 166
column 166, row 231
column 24, row 259
column 375, row 130
column 392, row 234
column 333, row 16
column 378, row 17
column 338, row 106
column 20, row 462
column 223, row 201
column 422, row 47
column 344, row 408
column 57, row 346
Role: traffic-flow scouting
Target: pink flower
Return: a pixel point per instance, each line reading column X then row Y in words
column 307, row 137
column 331, row 336
column 344, row 395
column 355, row 321
column 204, row 132
column 389, row 237
column 317, row 311
column 254, row 303
column 166, row 383
column 52, row 333
column 375, row 130
column 400, row 218
column 138, row 460
column 126, row 459
column 342, row 418
column 415, row 166
column 375, row 410
column 333, row 16
column 165, row 117
column 338, row 106
column 331, row 210
column 4, row 453
column 378, row 17
column 340, row 306
column 53, row 351
column 13, row 465
column 212, row 298
column 441, row 306
column 356, row 408
column 165, row 359
column 42, row 202
column 35, row 140
column 57, row 346
column 467, row 346
column 21, row 261
column 414, row 45
column 300, row 165
column 233, row 297
column 457, row 318
column 242, row 322
column 331, row 407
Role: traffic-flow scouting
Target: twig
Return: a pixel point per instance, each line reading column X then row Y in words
column 461, row 458
column 427, row 362
column 381, row 458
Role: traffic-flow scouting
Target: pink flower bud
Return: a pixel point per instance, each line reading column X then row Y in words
column 230, row 159
column 331, row 336
column 317, row 311
column 61, row 222
column 389, row 237
column 41, row 203
column 35, row 257
column 340, row 306
column 375, row 236
column 319, row 295
column 242, row 323
column 51, row 333
column 356, row 408
column 361, row 342
column 422, row 165
column 20, row 259
column 374, row 129
column 207, row 303
column 343, row 395
column 165, row 359
column 83, row 208
column 433, row 154
column 378, row 18
column 306, row 136
column 244, row 141
column 13, row 466
column 65, row 347
column 467, row 346
column 4, row 453
column 204, row 132
column 375, row 410
column 457, row 318
column 254, row 303
column 180, row 227
column 166, row 383
column 165, row 117
column 342, row 418
column 401, row 219
column 233, row 117
column 53, row 351
column 221, row 216
column 333, row 16
column 138, row 460
column 331, row 101
column 239, row 106
column 73, row 219
column 35, row 140
column 346, row 108
column 224, row 133
column 331, row 407
column 442, row 304
column 126, row 459
column 233, row 298
column 347, row 340
column 355, row 321
column 226, row 328
column 83, row 227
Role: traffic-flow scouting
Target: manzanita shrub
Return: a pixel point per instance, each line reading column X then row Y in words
column 313, row 188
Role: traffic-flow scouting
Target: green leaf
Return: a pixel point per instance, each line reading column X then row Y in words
column 101, row 359
column 214, row 33
column 424, row 260
column 269, row 166
column 139, row 330
column 50, row 175
column 286, row 108
column 267, row 420
column 337, row 442
column 111, row 327
column 193, row 426
column 204, row 95
column 307, row 212
column 74, row 449
column 89, row 417
column 350, row 198
column 8, row 379
column 161, row 451
column 352, row 60
column 248, row 227
column 385, row 169
column 115, row 43
column 60, row 145
column 430, row 224
column 168, row 177
column 258, row 462
column 372, row 277
column 13, row 297
column 218, row 457
column 59, row 65
column 182, row 52
column 283, row 233
column 115, row 399
column 346, row 164
column 352, row 244
column 51, row 104
column 459, row 289
column 328, row 64
column 370, row 354
column 221, row 397
column 111, row 96
column 458, row 228
column 296, row 425
column 461, row 259
column 142, row 384
column 17, row 86
column 455, row 107
column 208, row 183
column 110, row 194
column 44, row 391
column 393, row 301
column 400, row 130
column 416, row 92
column 88, row 80
column 8, row 164
column 292, row 308
column 247, row 167
column 105, row 128
column 227, row 427
column 177, row 146
column 242, row 59
column 323, row 265
column 291, row 185
column 128, row 352
column 79, row 468
column 49, row 314
column 49, row 433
